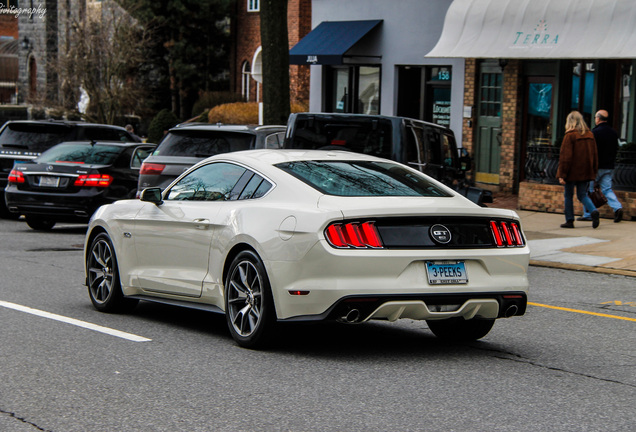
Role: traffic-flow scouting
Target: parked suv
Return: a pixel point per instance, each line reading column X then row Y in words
column 428, row 147
column 189, row 143
column 24, row 140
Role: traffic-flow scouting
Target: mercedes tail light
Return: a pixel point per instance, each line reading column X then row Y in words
column 506, row 234
column 16, row 176
column 356, row 235
column 94, row 180
column 151, row 168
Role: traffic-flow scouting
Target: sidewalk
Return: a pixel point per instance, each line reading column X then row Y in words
column 610, row 248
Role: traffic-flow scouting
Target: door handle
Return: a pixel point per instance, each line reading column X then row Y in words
column 201, row 223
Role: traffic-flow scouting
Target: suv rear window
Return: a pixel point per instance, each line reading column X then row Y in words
column 203, row 144
column 363, row 178
column 33, row 137
column 364, row 135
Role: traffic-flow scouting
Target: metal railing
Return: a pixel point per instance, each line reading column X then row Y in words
column 542, row 163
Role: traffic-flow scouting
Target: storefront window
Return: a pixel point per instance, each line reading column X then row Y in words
column 438, row 95
column 626, row 82
column 539, row 113
column 353, row 89
column 583, row 74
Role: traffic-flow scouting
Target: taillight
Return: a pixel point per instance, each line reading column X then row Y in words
column 506, row 234
column 16, row 176
column 94, row 180
column 151, row 168
column 353, row 235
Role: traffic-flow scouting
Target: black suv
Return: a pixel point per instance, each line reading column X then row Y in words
column 188, row 143
column 24, row 140
column 428, row 147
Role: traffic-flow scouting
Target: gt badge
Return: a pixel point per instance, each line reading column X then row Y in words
column 440, row 234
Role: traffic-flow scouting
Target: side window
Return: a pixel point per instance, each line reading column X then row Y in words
column 434, row 144
column 256, row 188
column 448, row 151
column 139, row 155
column 211, row 182
column 274, row 141
column 415, row 155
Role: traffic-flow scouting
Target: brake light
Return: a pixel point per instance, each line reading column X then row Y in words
column 94, row 180
column 151, row 168
column 353, row 235
column 506, row 234
column 16, row 176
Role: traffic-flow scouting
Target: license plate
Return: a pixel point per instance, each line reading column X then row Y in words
column 446, row 272
column 49, row 181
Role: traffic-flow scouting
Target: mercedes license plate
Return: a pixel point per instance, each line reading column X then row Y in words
column 49, row 181
column 446, row 272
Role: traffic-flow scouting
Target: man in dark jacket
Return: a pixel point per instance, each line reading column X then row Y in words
column 607, row 145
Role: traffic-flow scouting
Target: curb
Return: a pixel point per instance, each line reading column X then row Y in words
column 578, row 267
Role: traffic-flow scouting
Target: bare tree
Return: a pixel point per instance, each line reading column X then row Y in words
column 102, row 59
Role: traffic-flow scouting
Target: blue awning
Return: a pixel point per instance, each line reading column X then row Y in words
column 329, row 42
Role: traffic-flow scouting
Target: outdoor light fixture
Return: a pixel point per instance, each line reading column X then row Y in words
column 26, row 43
column 503, row 63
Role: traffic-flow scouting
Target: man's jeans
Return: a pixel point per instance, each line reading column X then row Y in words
column 604, row 180
column 581, row 194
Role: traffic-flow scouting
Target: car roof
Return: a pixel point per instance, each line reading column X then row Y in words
column 64, row 123
column 227, row 127
column 110, row 143
column 366, row 116
column 275, row 156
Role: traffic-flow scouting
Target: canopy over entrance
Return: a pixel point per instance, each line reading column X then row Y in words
column 549, row 29
column 329, row 42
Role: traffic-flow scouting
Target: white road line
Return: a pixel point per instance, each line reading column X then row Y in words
column 75, row 322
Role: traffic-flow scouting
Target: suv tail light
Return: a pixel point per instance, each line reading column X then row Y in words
column 94, row 180
column 506, row 234
column 16, row 176
column 151, row 168
column 353, row 235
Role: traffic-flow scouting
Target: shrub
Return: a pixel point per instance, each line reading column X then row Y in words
column 243, row 112
column 209, row 100
column 163, row 121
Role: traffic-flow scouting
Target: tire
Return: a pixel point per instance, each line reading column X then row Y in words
column 104, row 285
column 249, row 306
column 459, row 329
column 40, row 224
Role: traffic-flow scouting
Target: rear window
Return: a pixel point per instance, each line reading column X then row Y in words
column 81, row 153
column 203, row 144
column 363, row 135
column 363, row 178
column 32, row 137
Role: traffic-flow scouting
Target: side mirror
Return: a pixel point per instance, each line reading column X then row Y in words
column 152, row 195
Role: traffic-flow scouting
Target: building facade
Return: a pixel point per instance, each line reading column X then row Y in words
column 368, row 56
column 529, row 63
column 246, row 64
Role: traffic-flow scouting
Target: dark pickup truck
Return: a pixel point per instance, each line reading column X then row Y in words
column 428, row 147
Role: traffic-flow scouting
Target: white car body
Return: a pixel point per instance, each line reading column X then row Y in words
column 179, row 251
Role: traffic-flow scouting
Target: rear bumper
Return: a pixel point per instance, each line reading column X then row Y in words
column 62, row 208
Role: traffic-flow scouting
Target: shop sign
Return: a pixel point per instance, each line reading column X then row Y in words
column 538, row 36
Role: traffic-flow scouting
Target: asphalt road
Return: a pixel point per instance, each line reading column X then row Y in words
column 553, row 369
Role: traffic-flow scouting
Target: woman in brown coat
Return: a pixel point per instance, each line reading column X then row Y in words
column 578, row 163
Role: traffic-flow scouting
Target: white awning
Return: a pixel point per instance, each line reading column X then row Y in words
column 548, row 29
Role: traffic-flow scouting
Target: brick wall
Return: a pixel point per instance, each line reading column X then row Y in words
column 549, row 198
column 510, row 126
column 470, row 80
column 8, row 25
column 248, row 39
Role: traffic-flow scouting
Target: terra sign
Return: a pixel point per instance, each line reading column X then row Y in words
column 538, row 36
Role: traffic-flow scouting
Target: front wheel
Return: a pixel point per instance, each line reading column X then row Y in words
column 40, row 224
column 459, row 329
column 104, row 286
column 249, row 306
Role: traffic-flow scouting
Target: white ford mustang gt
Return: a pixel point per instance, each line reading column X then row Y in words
column 269, row 236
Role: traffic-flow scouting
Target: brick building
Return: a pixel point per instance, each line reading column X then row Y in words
column 246, row 71
column 9, row 46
